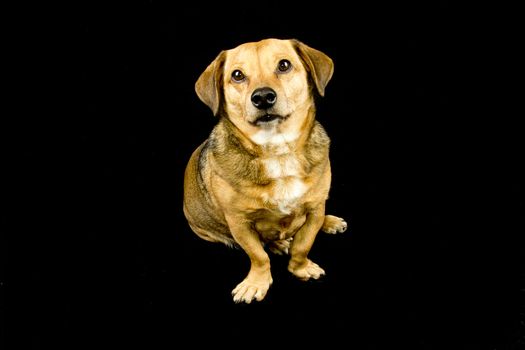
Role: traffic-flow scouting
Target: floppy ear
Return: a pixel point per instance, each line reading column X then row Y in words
column 209, row 84
column 319, row 66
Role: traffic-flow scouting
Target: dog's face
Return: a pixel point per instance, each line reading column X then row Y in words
column 265, row 84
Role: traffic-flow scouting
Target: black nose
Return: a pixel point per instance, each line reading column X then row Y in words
column 264, row 98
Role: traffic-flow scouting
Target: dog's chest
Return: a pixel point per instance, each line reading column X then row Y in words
column 282, row 168
column 287, row 184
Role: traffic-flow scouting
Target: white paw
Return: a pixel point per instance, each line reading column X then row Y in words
column 248, row 290
column 333, row 224
column 307, row 271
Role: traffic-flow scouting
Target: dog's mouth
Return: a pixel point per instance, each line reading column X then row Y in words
column 268, row 118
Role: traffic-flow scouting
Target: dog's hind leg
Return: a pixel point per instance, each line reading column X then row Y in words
column 213, row 236
column 333, row 224
column 280, row 247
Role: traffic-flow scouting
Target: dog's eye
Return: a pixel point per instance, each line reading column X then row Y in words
column 237, row 76
column 284, row 66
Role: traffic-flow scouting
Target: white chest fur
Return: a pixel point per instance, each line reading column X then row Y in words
column 282, row 166
column 286, row 193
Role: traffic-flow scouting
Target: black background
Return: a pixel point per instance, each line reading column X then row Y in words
column 424, row 162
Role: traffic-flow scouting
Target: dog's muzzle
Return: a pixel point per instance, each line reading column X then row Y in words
column 264, row 98
column 267, row 118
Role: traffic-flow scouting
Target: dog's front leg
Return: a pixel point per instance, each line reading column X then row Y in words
column 302, row 267
column 259, row 278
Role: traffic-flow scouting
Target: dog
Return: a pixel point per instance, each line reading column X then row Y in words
column 261, row 179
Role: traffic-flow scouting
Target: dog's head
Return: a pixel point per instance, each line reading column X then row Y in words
column 264, row 84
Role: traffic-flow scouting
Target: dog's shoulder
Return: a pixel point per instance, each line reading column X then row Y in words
column 232, row 159
column 318, row 137
column 317, row 145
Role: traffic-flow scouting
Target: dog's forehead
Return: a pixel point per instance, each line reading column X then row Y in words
column 268, row 49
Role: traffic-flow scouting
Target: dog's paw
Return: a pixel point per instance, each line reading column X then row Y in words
column 280, row 247
column 307, row 270
column 333, row 224
column 248, row 290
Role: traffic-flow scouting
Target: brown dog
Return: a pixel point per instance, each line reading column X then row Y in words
column 262, row 177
